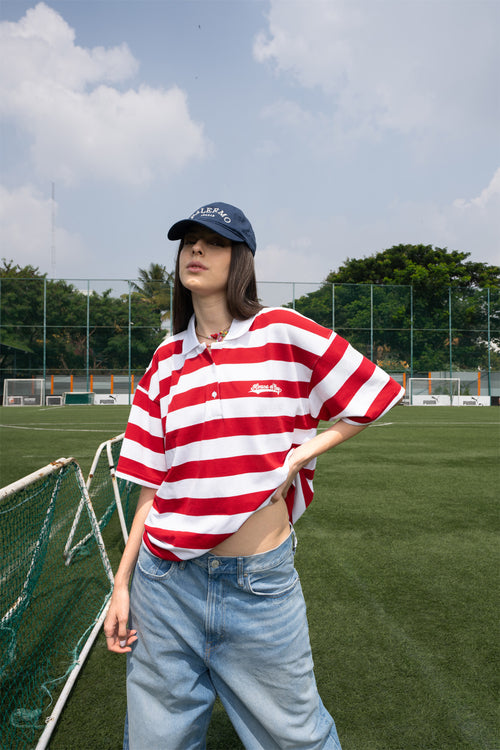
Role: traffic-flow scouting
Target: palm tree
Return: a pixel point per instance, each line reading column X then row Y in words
column 155, row 284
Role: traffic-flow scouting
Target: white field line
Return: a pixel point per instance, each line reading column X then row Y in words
column 51, row 429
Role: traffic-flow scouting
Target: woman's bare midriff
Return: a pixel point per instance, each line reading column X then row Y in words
column 264, row 530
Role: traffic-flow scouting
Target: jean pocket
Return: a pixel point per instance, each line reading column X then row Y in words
column 153, row 567
column 275, row 581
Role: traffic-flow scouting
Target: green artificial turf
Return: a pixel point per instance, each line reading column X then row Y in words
column 398, row 558
column 31, row 437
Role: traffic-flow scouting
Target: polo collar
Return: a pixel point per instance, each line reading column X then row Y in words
column 237, row 329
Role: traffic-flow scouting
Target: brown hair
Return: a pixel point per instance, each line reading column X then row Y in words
column 241, row 292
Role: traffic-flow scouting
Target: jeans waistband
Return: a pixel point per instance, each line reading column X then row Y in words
column 260, row 561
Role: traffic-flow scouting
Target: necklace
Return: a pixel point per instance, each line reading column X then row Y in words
column 219, row 336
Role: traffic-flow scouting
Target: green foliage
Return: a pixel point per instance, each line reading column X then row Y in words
column 156, row 287
column 412, row 289
column 25, row 294
column 425, row 266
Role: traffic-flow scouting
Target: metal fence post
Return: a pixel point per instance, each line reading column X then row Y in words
column 87, row 352
column 371, row 322
column 333, row 307
column 44, row 328
column 489, row 344
column 129, row 340
column 450, row 332
column 411, row 330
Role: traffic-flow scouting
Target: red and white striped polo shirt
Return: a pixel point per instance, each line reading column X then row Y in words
column 211, row 429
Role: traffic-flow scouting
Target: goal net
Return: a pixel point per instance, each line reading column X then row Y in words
column 24, row 392
column 50, row 612
column 107, row 493
column 434, row 391
column 81, row 398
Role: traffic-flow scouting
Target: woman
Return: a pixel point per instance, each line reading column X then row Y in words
column 222, row 437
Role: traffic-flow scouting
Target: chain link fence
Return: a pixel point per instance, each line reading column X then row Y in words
column 99, row 334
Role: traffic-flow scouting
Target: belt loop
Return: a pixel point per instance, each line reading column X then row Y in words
column 240, row 567
column 294, row 538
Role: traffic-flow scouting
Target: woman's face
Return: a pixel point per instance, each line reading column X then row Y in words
column 204, row 261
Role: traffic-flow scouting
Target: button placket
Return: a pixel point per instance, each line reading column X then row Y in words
column 213, row 404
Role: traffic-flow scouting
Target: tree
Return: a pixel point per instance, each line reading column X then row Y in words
column 155, row 286
column 51, row 321
column 403, row 296
column 22, row 298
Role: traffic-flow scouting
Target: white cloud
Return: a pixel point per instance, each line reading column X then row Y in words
column 390, row 65
column 477, row 222
column 26, row 233
column 295, row 269
column 487, row 200
column 469, row 225
column 80, row 125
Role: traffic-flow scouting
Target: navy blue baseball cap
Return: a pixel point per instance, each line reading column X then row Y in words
column 222, row 218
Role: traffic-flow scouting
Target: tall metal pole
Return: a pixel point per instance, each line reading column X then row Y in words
column 333, row 307
column 53, row 233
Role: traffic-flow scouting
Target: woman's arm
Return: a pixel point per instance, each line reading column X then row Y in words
column 115, row 624
column 335, row 435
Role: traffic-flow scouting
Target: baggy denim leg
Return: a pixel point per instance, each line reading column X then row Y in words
column 232, row 626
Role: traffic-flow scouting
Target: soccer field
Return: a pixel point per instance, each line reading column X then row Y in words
column 398, row 558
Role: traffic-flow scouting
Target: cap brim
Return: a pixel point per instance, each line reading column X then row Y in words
column 179, row 229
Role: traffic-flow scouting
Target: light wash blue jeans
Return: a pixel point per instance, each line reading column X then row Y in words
column 234, row 627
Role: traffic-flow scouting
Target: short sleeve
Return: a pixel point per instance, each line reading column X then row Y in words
column 346, row 385
column 142, row 458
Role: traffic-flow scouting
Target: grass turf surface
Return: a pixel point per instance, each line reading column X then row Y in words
column 398, row 558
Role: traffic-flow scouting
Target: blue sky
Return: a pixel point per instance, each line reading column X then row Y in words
column 340, row 127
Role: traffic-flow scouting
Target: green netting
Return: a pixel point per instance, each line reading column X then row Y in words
column 101, row 485
column 47, row 607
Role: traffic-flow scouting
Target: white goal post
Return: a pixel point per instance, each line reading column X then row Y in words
column 81, row 398
column 23, row 392
column 434, row 391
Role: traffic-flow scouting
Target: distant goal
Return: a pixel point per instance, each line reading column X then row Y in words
column 80, row 398
column 434, row 391
column 24, row 392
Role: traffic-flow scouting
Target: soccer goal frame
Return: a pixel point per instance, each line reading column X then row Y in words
column 78, row 398
column 105, row 448
column 23, row 392
column 62, row 468
column 434, row 391
column 53, row 400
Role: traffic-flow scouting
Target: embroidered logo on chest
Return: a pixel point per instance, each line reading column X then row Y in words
column 259, row 388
